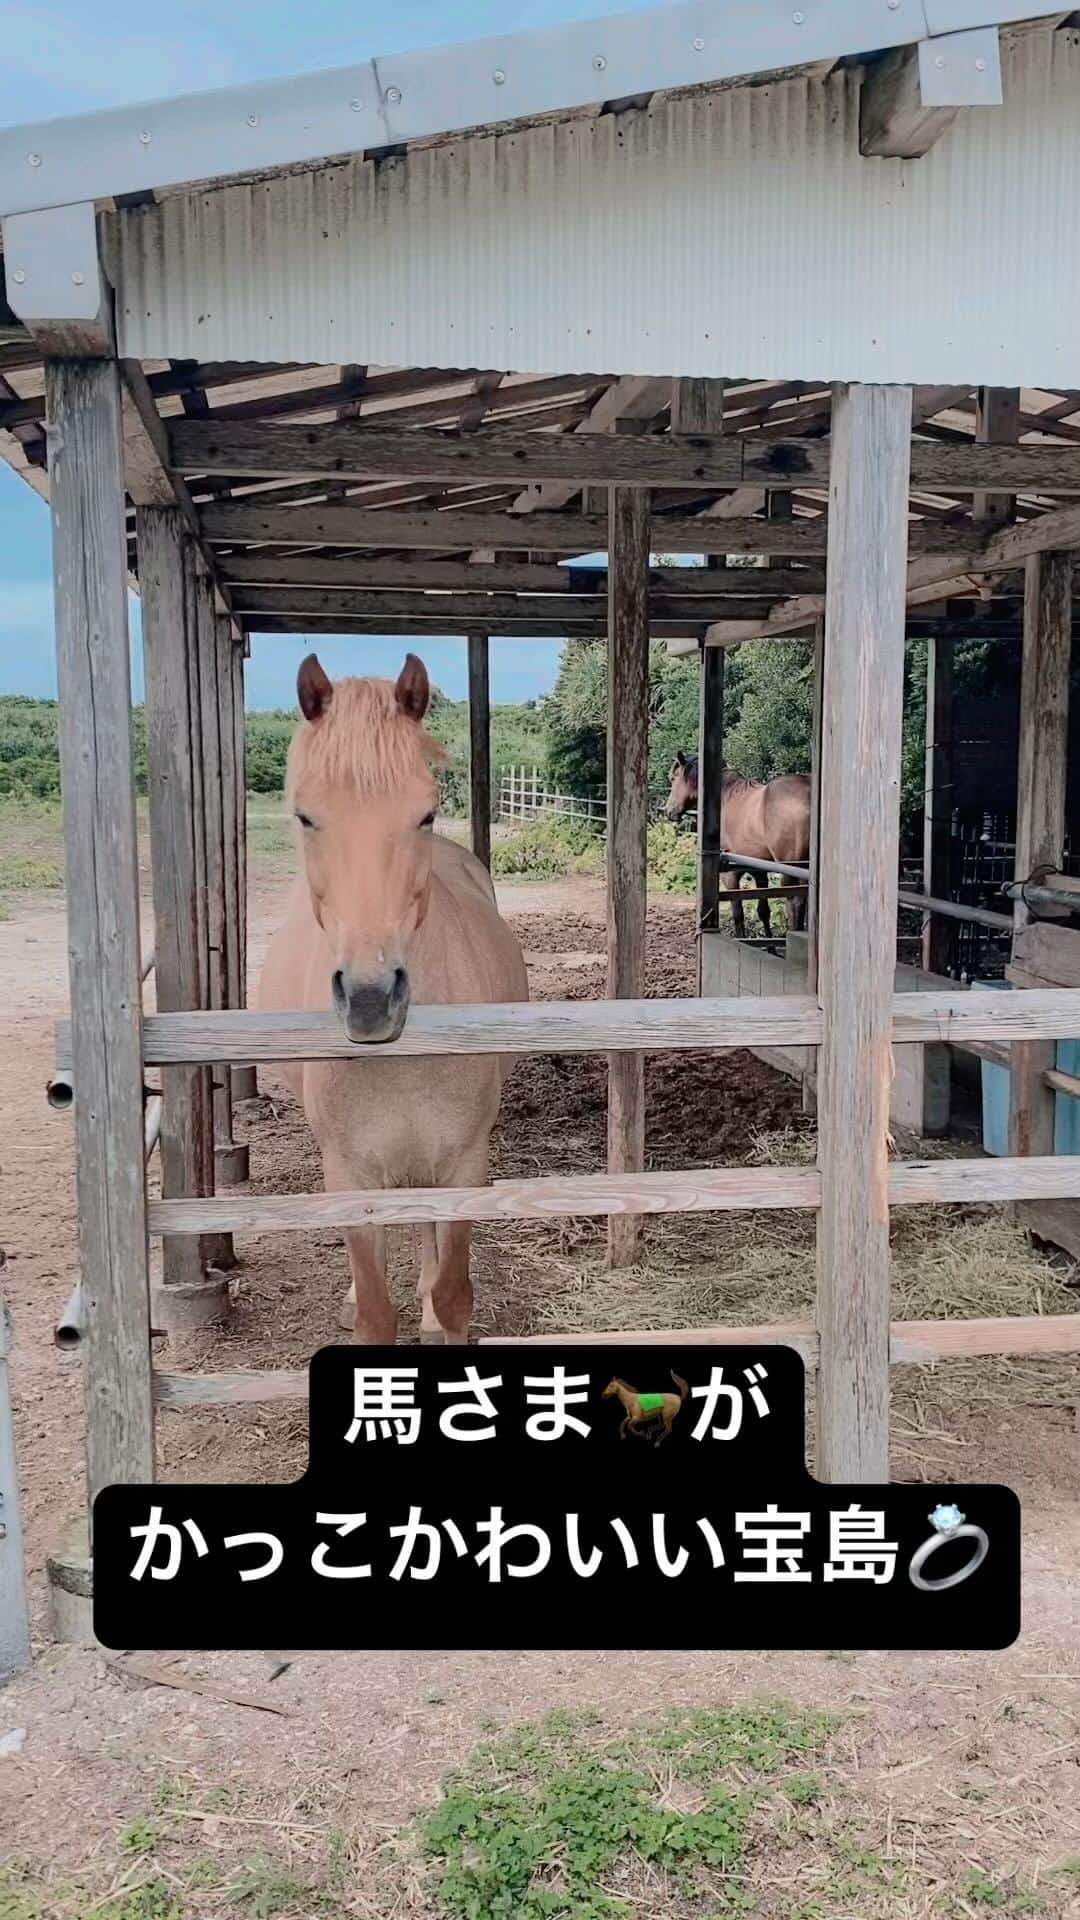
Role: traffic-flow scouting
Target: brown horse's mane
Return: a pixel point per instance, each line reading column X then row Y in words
column 362, row 740
column 737, row 783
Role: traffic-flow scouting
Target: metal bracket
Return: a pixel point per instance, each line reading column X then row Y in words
column 961, row 69
column 54, row 279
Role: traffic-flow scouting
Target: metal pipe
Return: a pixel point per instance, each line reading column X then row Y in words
column 151, row 1123
column 955, row 910
column 1056, row 891
column 60, row 1092
column 69, row 1329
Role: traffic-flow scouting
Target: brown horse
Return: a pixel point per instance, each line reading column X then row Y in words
column 767, row 819
column 644, row 1409
column 385, row 910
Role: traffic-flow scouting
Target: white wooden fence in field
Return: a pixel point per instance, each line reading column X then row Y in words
column 525, row 795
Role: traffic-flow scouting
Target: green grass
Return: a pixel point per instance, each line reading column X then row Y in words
column 31, row 850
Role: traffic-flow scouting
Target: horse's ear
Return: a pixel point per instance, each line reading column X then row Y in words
column 413, row 689
column 313, row 688
column 680, row 761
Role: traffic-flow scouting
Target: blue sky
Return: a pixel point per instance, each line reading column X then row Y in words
column 76, row 56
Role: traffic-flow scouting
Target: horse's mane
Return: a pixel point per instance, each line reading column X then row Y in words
column 363, row 740
column 737, row 783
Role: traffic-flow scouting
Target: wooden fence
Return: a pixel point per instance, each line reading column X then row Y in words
column 524, row 794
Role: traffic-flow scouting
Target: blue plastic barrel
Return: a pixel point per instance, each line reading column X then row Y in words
column 995, row 1096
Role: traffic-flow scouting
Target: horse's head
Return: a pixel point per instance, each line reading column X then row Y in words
column 611, row 1388
column 361, row 787
column 683, row 777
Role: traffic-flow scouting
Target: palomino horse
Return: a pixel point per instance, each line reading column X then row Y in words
column 767, row 819
column 641, row 1409
column 384, row 911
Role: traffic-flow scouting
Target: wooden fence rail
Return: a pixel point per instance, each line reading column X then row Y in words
column 622, row 1026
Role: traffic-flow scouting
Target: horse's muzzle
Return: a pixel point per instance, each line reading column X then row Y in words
column 373, row 1009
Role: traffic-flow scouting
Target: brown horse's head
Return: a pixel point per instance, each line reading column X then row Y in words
column 613, row 1388
column 361, row 787
column 683, row 777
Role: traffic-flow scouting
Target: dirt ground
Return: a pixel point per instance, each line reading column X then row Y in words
column 969, row 1765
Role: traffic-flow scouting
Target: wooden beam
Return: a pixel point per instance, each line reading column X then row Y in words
column 187, row 1142
column 243, row 1077
column 354, row 525
column 809, row 1079
column 216, row 871
column 93, row 674
column 911, row 1343
column 857, row 862
column 618, row 1197
column 894, row 121
column 627, row 797
column 997, row 423
column 629, row 398
column 289, row 569
column 710, row 790
column 352, row 451
column 462, row 610
column 646, row 1026
column 479, row 748
column 937, row 937
column 146, row 472
column 417, row 627
column 1040, row 811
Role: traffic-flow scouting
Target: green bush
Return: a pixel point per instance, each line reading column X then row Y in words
column 547, row 849
column 672, row 858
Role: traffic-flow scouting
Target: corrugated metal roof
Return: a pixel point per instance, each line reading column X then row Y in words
column 416, row 96
column 710, row 235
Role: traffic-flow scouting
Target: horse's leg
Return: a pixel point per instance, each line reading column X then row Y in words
column 430, row 1331
column 347, row 1315
column 451, row 1293
column 376, row 1321
column 730, row 882
column 763, row 907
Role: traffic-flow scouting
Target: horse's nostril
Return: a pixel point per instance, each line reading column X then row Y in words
column 401, row 981
column 338, row 985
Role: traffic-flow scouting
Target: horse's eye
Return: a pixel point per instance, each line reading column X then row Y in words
column 304, row 820
column 428, row 820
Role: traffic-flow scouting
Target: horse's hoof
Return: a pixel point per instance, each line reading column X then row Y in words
column 347, row 1314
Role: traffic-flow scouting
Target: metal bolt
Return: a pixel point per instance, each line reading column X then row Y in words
column 19, row 276
column 980, row 66
column 893, row 4
column 699, row 46
column 356, row 105
column 940, row 61
column 253, row 119
column 499, row 77
column 35, row 159
column 393, row 96
column 77, row 279
column 599, row 62
column 145, row 139
column 798, row 19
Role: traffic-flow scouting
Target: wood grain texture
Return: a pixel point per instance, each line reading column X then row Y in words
column 597, row 1027
column 1040, row 816
column 93, row 674
column 391, row 579
column 354, row 450
column 912, row 1342
column 627, row 799
column 613, row 1196
column 186, row 1136
column 14, row 1611
column 710, row 749
column 1051, row 953
column 938, row 800
column 857, row 867
column 350, row 525
column 479, row 748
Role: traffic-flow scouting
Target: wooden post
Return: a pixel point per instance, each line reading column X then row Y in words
column 1040, row 810
column 187, row 1140
column 14, row 1613
column 629, row 524
column 862, row 698
column 809, row 1082
column 86, row 483
column 937, row 940
column 479, row 748
column 244, row 1083
column 710, row 790
column 216, row 883
column 232, row 1159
